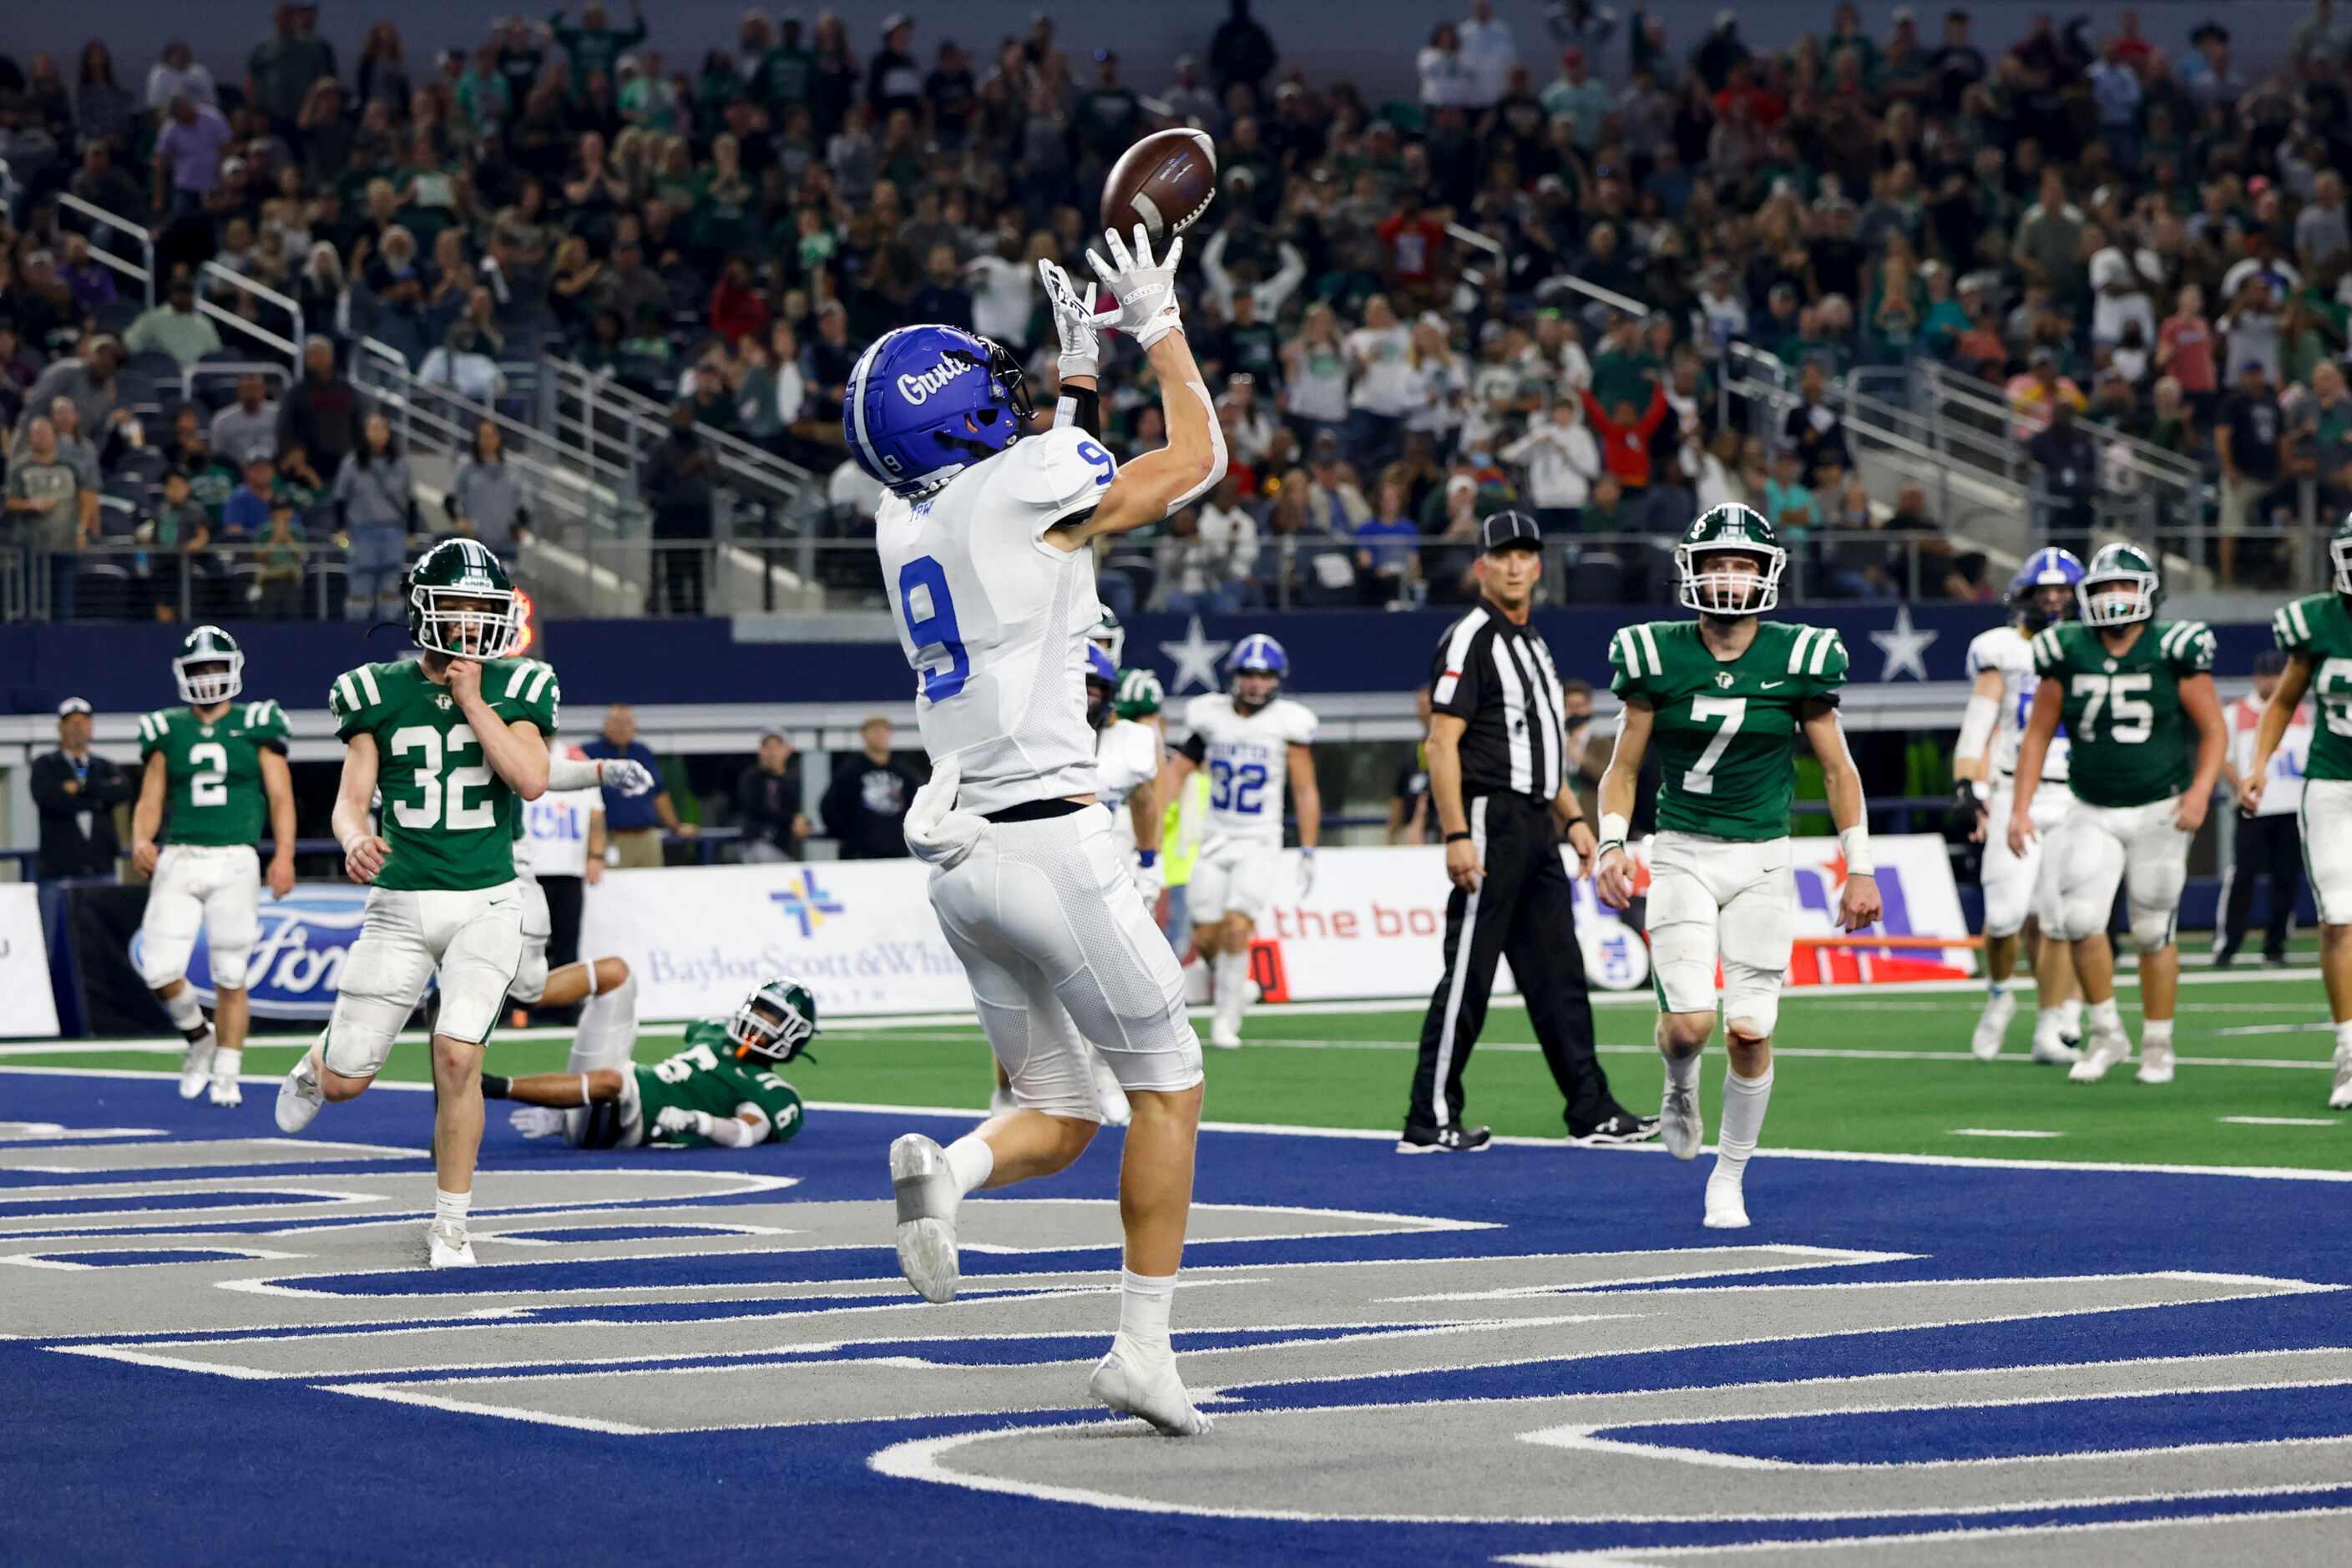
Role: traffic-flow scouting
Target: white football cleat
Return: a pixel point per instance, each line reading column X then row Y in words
column 1680, row 1126
column 927, row 1208
column 447, row 1246
column 1225, row 1039
column 227, row 1091
column 1135, row 1383
column 2106, row 1050
column 197, row 1065
column 2340, row 1098
column 1109, row 1095
column 2155, row 1064
column 299, row 1097
column 1727, row 1205
column 2054, row 1052
column 1992, row 1024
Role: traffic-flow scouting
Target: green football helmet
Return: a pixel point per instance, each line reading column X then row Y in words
column 1139, row 694
column 2339, row 554
column 1109, row 636
column 461, row 602
column 2120, row 585
column 775, row 1023
column 1727, row 530
column 209, row 666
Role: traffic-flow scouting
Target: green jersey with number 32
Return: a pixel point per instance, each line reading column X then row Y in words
column 1725, row 730
column 2132, row 741
column 2318, row 630
column 448, row 818
column 212, row 791
column 707, row 1076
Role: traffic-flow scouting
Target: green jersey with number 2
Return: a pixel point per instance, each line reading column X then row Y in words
column 1725, row 730
column 2319, row 630
column 2132, row 741
column 707, row 1076
column 212, row 772
column 448, row 818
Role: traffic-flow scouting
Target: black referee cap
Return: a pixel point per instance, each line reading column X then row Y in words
column 1509, row 531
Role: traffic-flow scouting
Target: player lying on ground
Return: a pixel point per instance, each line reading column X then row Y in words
column 986, row 542
column 1723, row 697
column 2316, row 633
column 2144, row 723
column 1251, row 741
column 214, row 768
column 454, row 741
column 2020, row 895
column 720, row 1090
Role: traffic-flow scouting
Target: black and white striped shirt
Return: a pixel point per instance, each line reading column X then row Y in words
column 1498, row 678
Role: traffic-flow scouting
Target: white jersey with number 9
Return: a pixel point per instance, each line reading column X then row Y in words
column 994, row 618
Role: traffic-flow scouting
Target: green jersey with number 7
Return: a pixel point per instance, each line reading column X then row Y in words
column 450, row 819
column 1724, row 730
column 2132, row 741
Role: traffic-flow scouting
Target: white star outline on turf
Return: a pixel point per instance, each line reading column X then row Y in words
column 1905, row 647
column 1195, row 658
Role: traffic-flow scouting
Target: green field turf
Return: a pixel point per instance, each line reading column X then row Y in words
column 1880, row 1072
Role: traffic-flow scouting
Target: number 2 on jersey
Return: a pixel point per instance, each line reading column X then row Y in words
column 1733, row 710
column 209, row 785
column 930, row 614
column 1236, row 789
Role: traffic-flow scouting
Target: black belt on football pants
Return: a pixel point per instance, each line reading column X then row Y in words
column 1524, row 909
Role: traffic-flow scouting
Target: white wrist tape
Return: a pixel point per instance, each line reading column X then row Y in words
column 1614, row 827
column 1855, row 842
column 1975, row 725
column 1216, row 452
column 572, row 773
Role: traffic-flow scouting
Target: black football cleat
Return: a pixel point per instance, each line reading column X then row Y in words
column 1620, row 1126
column 1444, row 1139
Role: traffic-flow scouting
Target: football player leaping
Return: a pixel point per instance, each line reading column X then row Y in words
column 1252, row 741
column 220, row 765
column 2316, row 633
column 2020, row 895
column 455, row 741
column 985, row 542
column 2135, row 695
column 1723, row 698
column 720, row 1090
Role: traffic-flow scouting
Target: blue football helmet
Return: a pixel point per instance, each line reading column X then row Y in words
column 926, row 403
column 2048, row 567
column 1258, row 654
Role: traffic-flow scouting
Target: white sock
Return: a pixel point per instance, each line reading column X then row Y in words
column 1143, row 1303
column 312, row 1060
column 2070, row 1011
column 2105, row 1018
column 2155, row 1033
column 227, row 1063
column 1683, row 1071
column 1744, row 1099
column 450, row 1209
column 1232, row 988
column 185, row 1011
column 970, row 1162
column 2344, row 1035
column 2048, row 1025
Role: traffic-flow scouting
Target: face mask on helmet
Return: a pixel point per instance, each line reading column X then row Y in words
column 2049, row 602
column 2118, row 600
column 1098, row 703
column 2339, row 555
column 469, row 622
column 1731, row 581
column 206, row 679
column 764, row 1029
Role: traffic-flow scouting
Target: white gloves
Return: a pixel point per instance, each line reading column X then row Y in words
column 678, row 1118
column 1151, row 881
column 937, row 834
column 1306, row 873
column 1146, row 289
column 1074, row 323
column 535, row 1120
column 621, row 774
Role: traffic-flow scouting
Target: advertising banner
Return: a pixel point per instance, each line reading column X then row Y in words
column 295, row 966
column 31, row 1013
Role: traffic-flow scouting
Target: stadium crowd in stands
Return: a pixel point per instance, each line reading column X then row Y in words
column 2108, row 236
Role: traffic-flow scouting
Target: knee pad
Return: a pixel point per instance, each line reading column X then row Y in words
column 530, row 976
column 228, row 966
column 2082, row 913
column 2008, row 901
column 1751, row 1001
column 1682, row 960
column 2152, row 928
column 358, row 1050
column 161, row 963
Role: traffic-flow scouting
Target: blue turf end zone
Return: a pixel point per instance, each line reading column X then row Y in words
column 122, row 1462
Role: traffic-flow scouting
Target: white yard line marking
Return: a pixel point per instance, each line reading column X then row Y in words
column 2280, row 1120
column 2002, row 1132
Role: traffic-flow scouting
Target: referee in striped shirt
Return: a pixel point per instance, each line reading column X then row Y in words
column 1502, row 798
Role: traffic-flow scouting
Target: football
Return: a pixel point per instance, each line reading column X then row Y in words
column 1164, row 182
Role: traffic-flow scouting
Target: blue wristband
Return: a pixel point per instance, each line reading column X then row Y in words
column 1147, row 858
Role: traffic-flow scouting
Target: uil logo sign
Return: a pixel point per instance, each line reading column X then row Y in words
column 298, row 961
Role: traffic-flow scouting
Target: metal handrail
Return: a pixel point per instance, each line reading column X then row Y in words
column 1570, row 283
column 644, row 416
column 1945, row 384
column 207, row 370
column 95, row 214
column 267, row 296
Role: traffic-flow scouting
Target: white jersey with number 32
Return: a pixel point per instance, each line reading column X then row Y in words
column 2008, row 650
column 1247, row 759
column 994, row 618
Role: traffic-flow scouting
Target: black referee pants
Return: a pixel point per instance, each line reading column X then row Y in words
column 1523, row 911
column 2271, row 843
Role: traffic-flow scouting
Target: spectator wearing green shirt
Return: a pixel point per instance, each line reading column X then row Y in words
column 1788, row 501
column 279, row 71
column 177, row 531
column 786, row 73
column 50, row 508
column 595, row 45
column 175, row 327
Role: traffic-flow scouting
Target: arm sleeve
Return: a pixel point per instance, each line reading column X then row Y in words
column 153, row 729
column 527, row 690
column 1824, row 675
column 2288, row 634
column 2189, row 646
column 347, row 703
column 1195, row 749
column 2049, row 656
column 1626, row 662
column 265, row 726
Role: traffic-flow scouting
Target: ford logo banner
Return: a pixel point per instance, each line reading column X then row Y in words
column 299, row 958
